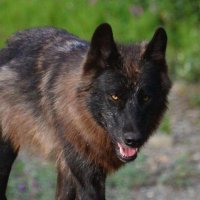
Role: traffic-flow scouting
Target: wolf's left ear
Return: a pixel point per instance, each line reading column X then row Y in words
column 102, row 48
column 157, row 46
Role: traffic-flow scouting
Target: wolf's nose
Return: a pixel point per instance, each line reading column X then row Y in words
column 132, row 139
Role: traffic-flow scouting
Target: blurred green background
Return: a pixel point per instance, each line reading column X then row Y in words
column 132, row 21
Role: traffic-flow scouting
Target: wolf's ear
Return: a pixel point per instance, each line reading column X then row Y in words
column 157, row 46
column 102, row 48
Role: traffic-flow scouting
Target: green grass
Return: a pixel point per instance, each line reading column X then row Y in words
column 132, row 175
column 135, row 174
column 31, row 179
column 195, row 100
column 79, row 17
column 132, row 20
column 165, row 126
column 183, row 173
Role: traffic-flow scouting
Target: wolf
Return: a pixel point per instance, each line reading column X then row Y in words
column 87, row 106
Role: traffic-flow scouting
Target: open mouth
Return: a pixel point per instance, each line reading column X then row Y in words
column 127, row 153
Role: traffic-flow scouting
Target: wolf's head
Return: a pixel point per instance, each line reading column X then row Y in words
column 129, row 87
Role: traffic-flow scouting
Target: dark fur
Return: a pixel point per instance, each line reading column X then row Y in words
column 56, row 97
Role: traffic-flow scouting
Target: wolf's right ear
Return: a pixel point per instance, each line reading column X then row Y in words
column 102, row 48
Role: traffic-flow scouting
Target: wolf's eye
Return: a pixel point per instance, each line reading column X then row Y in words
column 146, row 98
column 143, row 97
column 114, row 97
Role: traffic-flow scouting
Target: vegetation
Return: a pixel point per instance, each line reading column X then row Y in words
column 183, row 169
column 31, row 179
column 132, row 20
column 128, row 175
column 165, row 126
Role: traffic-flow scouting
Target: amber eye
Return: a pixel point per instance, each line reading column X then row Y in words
column 114, row 97
column 143, row 97
column 146, row 98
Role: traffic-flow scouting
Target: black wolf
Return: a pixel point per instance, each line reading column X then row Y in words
column 89, row 106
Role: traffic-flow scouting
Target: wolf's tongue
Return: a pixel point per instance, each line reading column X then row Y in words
column 127, row 151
